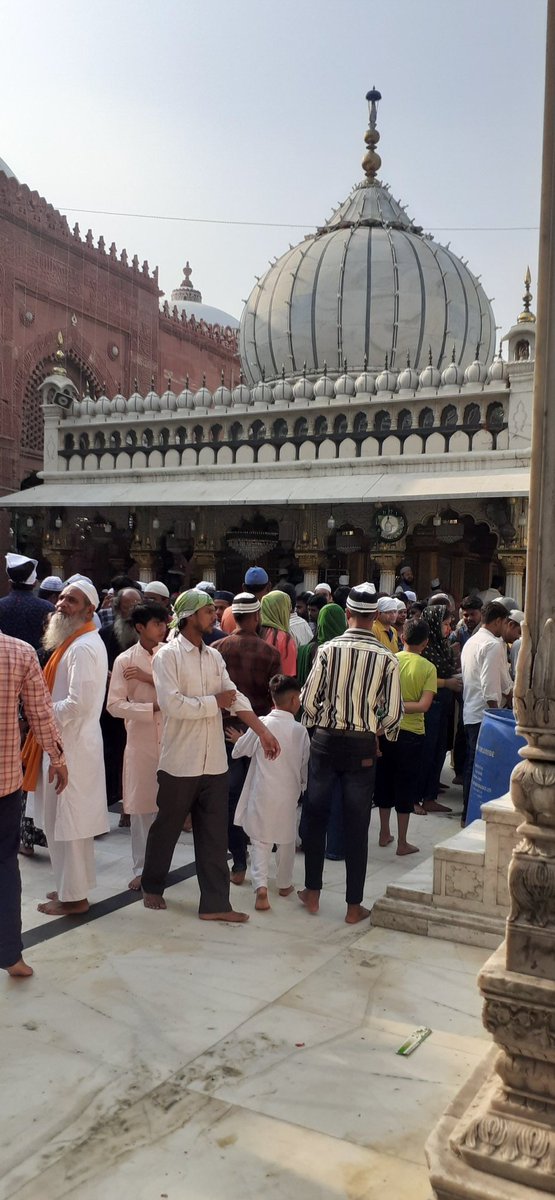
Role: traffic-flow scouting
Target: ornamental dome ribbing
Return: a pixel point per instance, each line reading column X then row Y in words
column 367, row 283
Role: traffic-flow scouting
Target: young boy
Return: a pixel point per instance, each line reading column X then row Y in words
column 132, row 696
column 267, row 808
column 398, row 768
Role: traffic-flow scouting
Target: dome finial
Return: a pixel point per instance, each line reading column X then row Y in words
column 372, row 161
column 527, row 314
column 60, row 368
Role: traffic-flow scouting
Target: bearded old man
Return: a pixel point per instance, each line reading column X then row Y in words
column 76, row 675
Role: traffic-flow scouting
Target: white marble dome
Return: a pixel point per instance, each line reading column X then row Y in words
column 188, row 299
column 367, row 283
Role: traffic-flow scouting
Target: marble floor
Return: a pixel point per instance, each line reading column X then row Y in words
column 153, row 1056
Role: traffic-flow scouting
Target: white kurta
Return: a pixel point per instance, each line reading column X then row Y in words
column 78, row 696
column 134, row 701
column 267, row 808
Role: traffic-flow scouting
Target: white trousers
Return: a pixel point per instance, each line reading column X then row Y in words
column 261, row 852
column 140, row 825
column 72, row 862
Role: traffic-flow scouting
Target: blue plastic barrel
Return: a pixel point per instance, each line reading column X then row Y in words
column 496, row 755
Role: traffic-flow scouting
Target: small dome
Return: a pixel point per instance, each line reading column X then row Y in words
column 365, row 383
column 498, row 371
column 408, row 378
column 453, row 375
column 103, row 406
column 387, row 380
column 303, row 389
column 283, row 392
column 168, row 401
column 118, row 404
column 135, row 404
column 152, row 401
column 242, row 395
column 476, row 372
column 76, row 408
column 345, row 385
column 6, row 169
column 263, row 394
column 203, row 398
column 222, row 397
column 430, row 376
column 324, row 388
column 88, row 407
column 187, row 299
column 186, row 399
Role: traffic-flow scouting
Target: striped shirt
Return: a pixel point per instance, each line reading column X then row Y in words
column 21, row 680
column 354, row 685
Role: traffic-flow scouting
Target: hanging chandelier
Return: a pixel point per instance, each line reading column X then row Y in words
column 450, row 530
column 252, row 543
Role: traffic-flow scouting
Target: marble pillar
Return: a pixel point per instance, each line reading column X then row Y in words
column 309, row 560
column 386, row 561
column 514, row 563
column 506, row 1136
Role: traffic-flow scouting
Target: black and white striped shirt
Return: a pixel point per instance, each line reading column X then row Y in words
column 354, row 685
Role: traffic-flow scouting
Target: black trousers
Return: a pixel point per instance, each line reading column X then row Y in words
column 471, row 734
column 346, row 761
column 11, row 946
column 205, row 798
column 236, row 837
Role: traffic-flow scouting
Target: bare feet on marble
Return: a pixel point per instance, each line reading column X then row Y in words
column 262, row 904
column 231, row 917
column 356, row 913
column 286, row 891
column 64, row 908
column 134, row 885
column 20, row 970
column 310, row 899
column 406, row 848
column 151, row 900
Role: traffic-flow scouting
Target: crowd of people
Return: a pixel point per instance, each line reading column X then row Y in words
column 264, row 721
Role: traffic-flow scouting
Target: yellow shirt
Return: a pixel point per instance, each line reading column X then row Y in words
column 388, row 637
column 417, row 676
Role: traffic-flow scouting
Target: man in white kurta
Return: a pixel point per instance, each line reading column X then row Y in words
column 193, row 689
column 73, row 819
column 132, row 697
column 267, row 808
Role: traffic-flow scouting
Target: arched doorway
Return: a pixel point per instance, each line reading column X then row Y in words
column 455, row 549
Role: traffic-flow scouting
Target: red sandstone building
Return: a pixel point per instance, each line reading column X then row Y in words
column 107, row 307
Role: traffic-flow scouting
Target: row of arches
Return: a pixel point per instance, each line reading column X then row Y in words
column 280, row 430
column 370, row 445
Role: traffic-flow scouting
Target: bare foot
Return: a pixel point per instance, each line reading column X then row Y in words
column 51, row 895
column 234, row 918
column 20, row 970
column 419, row 810
column 262, row 904
column 26, row 851
column 151, row 900
column 238, row 877
column 134, row 885
column 124, row 821
column 188, row 824
column 310, row 899
column 286, row 891
column 386, row 841
column 356, row 913
column 64, row 908
column 407, row 849
column 433, row 806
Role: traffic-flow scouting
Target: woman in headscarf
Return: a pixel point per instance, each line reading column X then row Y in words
column 275, row 612
column 439, row 652
column 331, row 623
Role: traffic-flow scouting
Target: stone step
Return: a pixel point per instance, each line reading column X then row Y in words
column 468, row 845
column 501, row 812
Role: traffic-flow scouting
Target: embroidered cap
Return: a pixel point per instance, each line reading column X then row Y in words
column 245, row 602
column 363, row 599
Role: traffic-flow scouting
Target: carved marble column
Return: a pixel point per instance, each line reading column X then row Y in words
column 506, row 1137
column 309, row 561
column 514, row 562
column 386, row 560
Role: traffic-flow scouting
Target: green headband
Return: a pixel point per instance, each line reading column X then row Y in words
column 189, row 602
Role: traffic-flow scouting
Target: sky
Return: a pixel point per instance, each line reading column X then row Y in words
column 251, row 115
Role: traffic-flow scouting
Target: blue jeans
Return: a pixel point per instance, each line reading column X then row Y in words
column 339, row 765
column 11, row 945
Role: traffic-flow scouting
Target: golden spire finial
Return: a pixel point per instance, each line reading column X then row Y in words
column 60, row 368
column 527, row 314
column 372, row 161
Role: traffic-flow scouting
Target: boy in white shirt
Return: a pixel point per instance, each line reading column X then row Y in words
column 267, row 808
